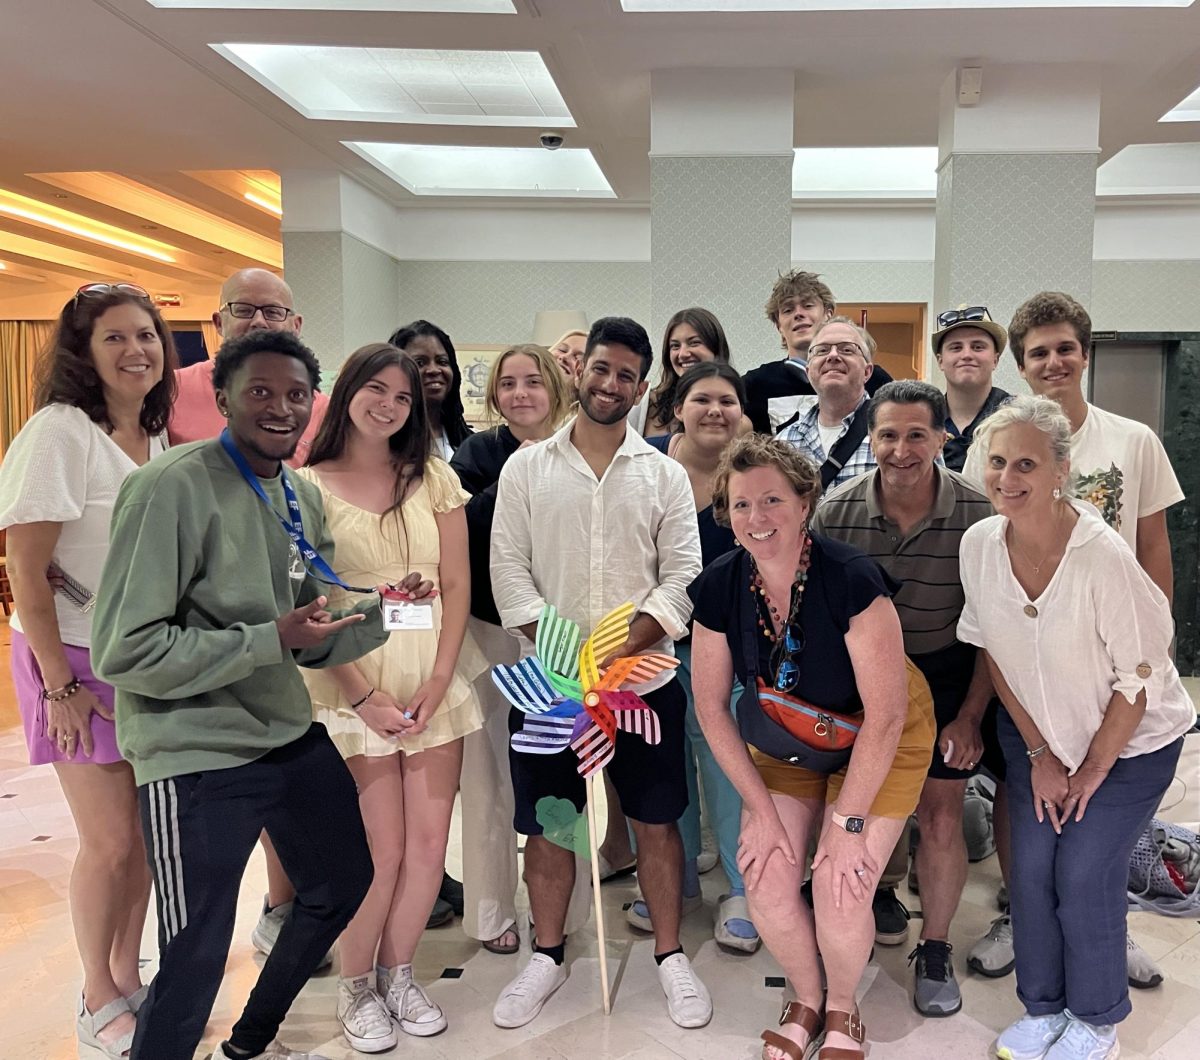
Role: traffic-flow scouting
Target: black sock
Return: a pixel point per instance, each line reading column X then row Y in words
column 556, row 953
column 660, row 957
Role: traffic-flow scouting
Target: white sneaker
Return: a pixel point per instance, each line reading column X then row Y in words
column 364, row 1017
column 270, row 923
column 1083, row 1041
column 416, row 1012
column 688, row 1000
column 275, row 1051
column 1031, row 1037
column 524, row 997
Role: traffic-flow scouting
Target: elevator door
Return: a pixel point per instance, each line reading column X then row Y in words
column 1129, row 378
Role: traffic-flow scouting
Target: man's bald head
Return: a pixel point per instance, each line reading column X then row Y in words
column 259, row 288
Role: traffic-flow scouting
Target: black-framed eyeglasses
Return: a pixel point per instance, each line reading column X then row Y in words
column 957, row 316
column 788, row 648
column 276, row 314
column 99, row 290
column 846, row 349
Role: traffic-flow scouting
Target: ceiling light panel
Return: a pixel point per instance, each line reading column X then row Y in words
column 406, row 85
column 643, row 6
column 865, row 172
column 464, row 7
column 489, row 171
column 1186, row 110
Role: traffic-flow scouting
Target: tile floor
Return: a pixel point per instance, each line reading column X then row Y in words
column 40, row 971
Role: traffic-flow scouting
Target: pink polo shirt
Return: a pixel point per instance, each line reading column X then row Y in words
column 194, row 416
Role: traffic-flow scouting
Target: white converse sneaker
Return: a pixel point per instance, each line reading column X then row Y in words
column 524, row 997
column 409, row 1005
column 1031, row 1037
column 688, row 1000
column 270, row 923
column 275, row 1051
column 364, row 1017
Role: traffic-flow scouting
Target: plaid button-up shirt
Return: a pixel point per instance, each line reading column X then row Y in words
column 805, row 436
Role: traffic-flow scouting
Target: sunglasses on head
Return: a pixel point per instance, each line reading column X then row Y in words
column 99, row 290
column 788, row 647
column 956, row 316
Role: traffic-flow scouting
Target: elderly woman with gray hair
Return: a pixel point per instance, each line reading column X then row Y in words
column 1077, row 640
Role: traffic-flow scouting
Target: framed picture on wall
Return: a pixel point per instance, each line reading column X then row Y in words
column 476, row 362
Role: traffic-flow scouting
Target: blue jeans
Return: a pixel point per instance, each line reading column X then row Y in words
column 723, row 802
column 1068, row 891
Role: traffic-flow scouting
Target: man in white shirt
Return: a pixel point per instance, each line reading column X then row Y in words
column 588, row 520
column 1117, row 464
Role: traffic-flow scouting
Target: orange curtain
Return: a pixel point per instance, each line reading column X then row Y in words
column 21, row 341
column 212, row 337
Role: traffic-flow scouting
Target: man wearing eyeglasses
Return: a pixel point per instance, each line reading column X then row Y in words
column 832, row 433
column 968, row 345
column 251, row 300
column 909, row 515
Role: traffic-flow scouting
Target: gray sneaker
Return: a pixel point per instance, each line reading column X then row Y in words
column 935, row 990
column 270, row 923
column 1144, row 974
column 993, row 955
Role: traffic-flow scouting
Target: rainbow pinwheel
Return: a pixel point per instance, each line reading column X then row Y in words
column 569, row 701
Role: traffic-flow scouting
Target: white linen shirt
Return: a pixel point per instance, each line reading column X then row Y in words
column 587, row 546
column 1101, row 626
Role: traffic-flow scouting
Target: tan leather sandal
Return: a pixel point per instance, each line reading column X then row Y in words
column 849, row 1024
column 803, row 1017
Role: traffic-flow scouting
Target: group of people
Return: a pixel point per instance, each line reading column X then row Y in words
column 247, row 613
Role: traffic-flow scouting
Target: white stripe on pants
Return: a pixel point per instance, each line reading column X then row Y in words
column 489, row 844
column 168, row 861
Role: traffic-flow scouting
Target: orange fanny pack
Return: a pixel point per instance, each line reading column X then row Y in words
column 815, row 727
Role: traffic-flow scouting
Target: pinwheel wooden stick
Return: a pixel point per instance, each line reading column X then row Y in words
column 569, row 700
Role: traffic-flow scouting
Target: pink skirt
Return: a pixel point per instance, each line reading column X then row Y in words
column 27, row 679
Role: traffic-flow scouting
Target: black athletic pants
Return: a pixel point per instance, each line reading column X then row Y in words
column 200, row 830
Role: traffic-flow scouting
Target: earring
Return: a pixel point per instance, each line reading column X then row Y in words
column 1057, row 492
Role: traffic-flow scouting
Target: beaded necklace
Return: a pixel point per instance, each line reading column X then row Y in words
column 798, row 583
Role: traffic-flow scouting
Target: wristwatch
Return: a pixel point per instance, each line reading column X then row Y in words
column 854, row 825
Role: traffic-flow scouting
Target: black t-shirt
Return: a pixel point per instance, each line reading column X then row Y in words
column 477, row 463
column 842, row 582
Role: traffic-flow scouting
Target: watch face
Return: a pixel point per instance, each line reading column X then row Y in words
column 855, row 824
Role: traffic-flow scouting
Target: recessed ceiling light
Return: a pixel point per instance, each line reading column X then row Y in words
column 1187, row 109
column 672, row 6
column 865, row 173
column 533, row 172
column 411, row 86
column 469, row 7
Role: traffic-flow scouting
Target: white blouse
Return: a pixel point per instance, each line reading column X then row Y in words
column 1101, row 626
column 64, row 468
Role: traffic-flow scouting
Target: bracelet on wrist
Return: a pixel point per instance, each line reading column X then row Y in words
column 355, row 706
column 1037, row 752
column 57, row 695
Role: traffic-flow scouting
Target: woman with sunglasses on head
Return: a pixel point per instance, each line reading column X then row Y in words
column 832, row 738
column 104, row 392
column 528, row 394
column 441, row 381
column 709, row 403
column 399, row 714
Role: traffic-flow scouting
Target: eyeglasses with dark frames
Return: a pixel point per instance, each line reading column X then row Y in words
column 957, row 316
column 788, row 647
column 276, row 314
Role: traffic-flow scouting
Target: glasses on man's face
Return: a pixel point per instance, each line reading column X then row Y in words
column 788, row 647
column 276, row 314
column 956, row 316
column 824, row 349
column 99, row 290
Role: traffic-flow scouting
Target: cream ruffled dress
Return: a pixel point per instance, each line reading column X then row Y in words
column 368, row 553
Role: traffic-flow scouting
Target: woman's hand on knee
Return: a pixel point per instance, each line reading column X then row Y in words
column 848, row 861
column 762, row 834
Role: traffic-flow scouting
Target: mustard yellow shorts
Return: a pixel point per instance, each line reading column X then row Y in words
column 901, row 787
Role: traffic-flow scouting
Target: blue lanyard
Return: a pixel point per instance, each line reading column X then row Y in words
column 293, row 523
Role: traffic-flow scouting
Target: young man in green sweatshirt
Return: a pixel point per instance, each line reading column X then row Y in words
column 211, row 599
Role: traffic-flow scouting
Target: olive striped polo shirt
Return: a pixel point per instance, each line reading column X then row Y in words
column 925, row 559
